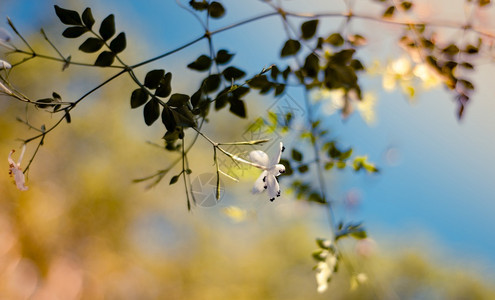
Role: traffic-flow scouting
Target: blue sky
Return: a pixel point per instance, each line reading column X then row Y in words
column 444, row 182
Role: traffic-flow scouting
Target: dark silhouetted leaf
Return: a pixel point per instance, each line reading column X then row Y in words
column 296, row 155
column 91, row 45
column 312, row 65
column 107, row 28
column 56, row 96
column 165, row 87
column 216, row 10
column 74, row 32
column 308, row 29
column 105, row 59
column 202, row 63
column 288, row 168
column 200, row 6
column 119, row 43
column 68, row 17
column 233, row 73
column 211, row 83
column 470, row 49
column 44, row 103
column 291, row 47
column 67, row 117
column 174, row 179
column 153, row 78
column 177, row 100
column 223, row 57
column 151, row 112
column 138, row 97
column 184, row 117
column 238, row 108
column 279, row 89
column 303, row 168
column 335, row 39
column 168, row 119
column 87, row 18
column 259, row 82
column 274, row 72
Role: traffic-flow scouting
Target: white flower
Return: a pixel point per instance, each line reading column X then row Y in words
column 337, row 100
column 4, row 65
column 271, row 168
column 16, row 171
column 324, row 271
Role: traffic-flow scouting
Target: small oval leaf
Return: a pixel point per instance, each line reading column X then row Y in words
column 291, row 47
column 91, row 45
column 139, row 97
column 87, row 18
column 151, row 112
column 216, row 10
column 107, row 28
column 308, row 29
column 202, row 63
column 74, row 32
column 68, row 17
column 178, row 100
column 165, row 87
column 153, row 78
column 233, row 73
column 105, row 59
column 223, row 57
column 119, row 43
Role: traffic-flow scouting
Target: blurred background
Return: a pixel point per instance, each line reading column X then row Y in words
column 83, row 230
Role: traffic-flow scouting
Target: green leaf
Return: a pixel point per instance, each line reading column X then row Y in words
column 68, row 17
column 174, row 179
column 74, row 32
column 153, row 78
column 238, row 108
column 312, row 65
column 223, row 57
column 406, row 5
column 233, row 73
column 91, row 45
column 389, row 12
column 451, row 50
column 177, row 100
column 105, row 59
column 87, row 18
column 202, row 63
column 308, row 29
column 139, row 97
column 291, row 47
column 216, row 10
column 119, row 43
column 345, row 155
column 107, row 28
column 335, row 39
column 288, row 167
column 303, row 168
column 151, row 112
column 296, row 155
column 165, row 87
column 329, row 165
column 211, row 83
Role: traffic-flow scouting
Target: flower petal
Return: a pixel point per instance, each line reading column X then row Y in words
column 19, row 178
column 272, row 187
column 276, row 159
column 260, row 183
column 259, row 157
column 4, row 65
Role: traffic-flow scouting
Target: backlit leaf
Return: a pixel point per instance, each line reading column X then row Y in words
column 105, row 59
column 107, row 28
column 68, row 17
